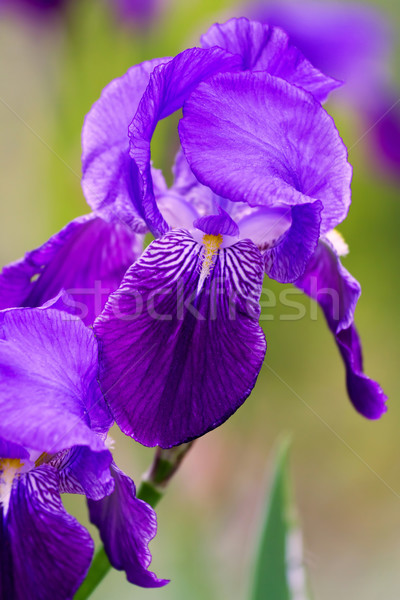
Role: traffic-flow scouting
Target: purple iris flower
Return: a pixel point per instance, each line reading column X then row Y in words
column 263, row 174
column 53, row 428
column 354, row 43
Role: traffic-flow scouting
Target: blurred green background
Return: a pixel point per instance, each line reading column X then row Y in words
column 345, row 469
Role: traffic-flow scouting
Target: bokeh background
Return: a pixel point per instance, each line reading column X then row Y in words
column 345, row 470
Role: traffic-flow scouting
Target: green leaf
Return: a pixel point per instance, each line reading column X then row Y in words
column 279, row 573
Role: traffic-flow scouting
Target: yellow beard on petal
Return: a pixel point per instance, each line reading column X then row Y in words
column 212, row 244
column 338, row 242
column 9, row 468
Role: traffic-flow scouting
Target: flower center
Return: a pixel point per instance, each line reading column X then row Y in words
column 212, row 244
column 9, row 468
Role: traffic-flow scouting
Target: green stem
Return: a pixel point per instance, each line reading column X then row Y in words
column 151, row 490
column 98, row 570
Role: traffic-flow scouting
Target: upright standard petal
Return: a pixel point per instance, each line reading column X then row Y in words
column 126, row 526
column 110, row 180
column 49, row 396
column 180, row 351
column 48, row 552
column 169, row 86
column 265, row 48
column 347, row 40
column 337, row 292
column 256, row 138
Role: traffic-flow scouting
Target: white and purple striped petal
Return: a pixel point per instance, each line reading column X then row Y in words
column 265, row 48
column 180, row 347
column 126, row 526
column 45, row 553
column 337, row 292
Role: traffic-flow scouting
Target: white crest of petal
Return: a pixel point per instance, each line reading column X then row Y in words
column 337, row 241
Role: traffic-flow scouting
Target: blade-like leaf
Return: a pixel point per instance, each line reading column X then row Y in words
column 279, row 573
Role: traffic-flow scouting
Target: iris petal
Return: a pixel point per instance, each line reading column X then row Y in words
column 175, row 362
column 337, row 292
column 169, row 86
column 255, row 138
column 286, row 261
column 88, row 258
column 265, row 48
column 85, row 472
column 50, row 551
column 110, row 182
column 126, row 526
column 215, row 224
column 49, row 399
column 11, row 450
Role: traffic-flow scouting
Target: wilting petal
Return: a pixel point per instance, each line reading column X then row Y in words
column 88, row 259
column 287, row 260
column 169, row 86
column 126, row 526
column 366, row 394
column 255, row 138
column 110, row 180
column 337, row 292
column 49, row 551
column 176, row 362
column 49, row 396
column 83, row 471
column 265, row 48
